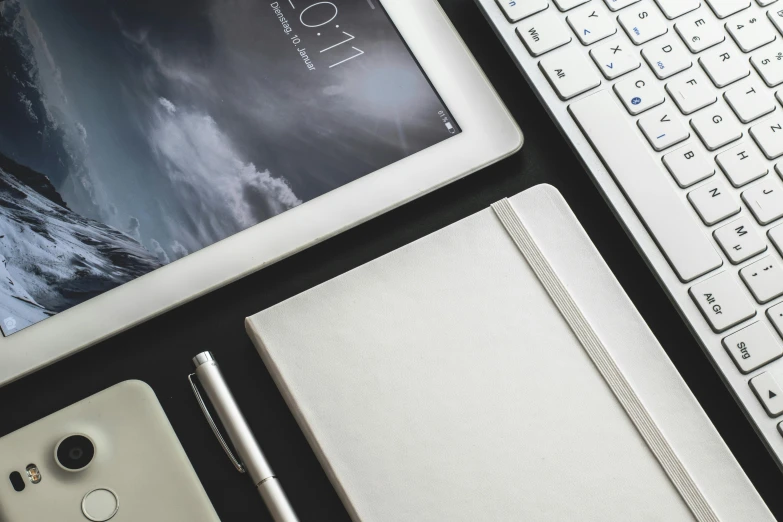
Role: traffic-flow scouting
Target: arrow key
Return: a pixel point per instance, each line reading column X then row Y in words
column 591, row 24
column 769, row 393
column 615, row 58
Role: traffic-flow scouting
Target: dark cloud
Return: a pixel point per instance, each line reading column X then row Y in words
column 133, row 228
column 200, row 118
column 178, row 250
column 158, row 250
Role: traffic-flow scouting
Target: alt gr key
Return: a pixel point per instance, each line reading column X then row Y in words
column 722, row 302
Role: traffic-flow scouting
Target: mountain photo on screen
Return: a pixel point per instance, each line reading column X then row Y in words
column 133, row 133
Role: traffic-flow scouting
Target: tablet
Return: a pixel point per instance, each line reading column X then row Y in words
column 153, row 151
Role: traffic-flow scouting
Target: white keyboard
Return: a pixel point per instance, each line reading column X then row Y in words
column 674, row 107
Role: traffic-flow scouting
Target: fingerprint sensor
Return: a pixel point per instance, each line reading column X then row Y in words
column 100, row 505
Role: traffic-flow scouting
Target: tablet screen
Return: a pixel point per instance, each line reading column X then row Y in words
column 134, row 133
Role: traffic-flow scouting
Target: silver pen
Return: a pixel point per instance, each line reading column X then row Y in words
column 250, row 458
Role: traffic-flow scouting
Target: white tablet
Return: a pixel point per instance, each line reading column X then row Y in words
column 153, row 151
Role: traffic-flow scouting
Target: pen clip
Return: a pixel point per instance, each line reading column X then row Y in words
column 214, row 427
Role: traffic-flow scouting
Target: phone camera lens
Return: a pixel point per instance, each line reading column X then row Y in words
column 75, row 452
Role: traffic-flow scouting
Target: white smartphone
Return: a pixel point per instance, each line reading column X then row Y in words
column 113, row 456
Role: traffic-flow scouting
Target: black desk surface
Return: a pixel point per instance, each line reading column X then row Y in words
column 159, row 351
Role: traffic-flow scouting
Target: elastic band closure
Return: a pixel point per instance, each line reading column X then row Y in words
column 606, row 365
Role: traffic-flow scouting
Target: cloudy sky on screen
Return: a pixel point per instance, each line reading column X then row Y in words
column 184, row 121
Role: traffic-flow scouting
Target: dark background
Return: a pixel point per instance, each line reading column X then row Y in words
column 160, row 350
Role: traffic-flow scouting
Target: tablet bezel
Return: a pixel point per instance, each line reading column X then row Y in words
column 488, row 134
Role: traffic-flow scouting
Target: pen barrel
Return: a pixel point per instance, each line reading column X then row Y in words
column 274, row 497
column 234, row 422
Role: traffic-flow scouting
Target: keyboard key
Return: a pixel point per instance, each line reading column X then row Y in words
column 543, row 33
column 714, row 202
column 764, row 279
column 775, row 315
column 591, row 24
column 677, row 233
column 753, row 347
column 769, row 136
column 639, row 92
column 675, row 8
column 750, row 32
column 642, row 23
column 663, row 128
column 516, row 10
column 616, row 5
column 764, row 3
column 724, row 65
column 615, row 58
column 569, row 72
column 765, row 200
column 666, row 57
column 691, row 92
column 750, row 100
column 700, row 32
column 776, row 236
column 769, row 64
column 724, row 8
column 722, row 302
column 565, row 5
column 716, row 127
column 688, row 165
column 777, row 19
column 742, row 164
column 769, row 393
column 740, row 241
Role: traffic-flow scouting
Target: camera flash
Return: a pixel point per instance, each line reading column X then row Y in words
column 34, row 474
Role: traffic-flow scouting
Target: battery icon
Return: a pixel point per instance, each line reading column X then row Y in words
column 450, row 127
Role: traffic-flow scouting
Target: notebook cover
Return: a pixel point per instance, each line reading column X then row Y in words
column 440, row 382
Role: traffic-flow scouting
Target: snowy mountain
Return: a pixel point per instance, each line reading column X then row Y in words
column 52, row 258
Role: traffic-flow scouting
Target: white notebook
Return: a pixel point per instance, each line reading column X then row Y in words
column 496, row 370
